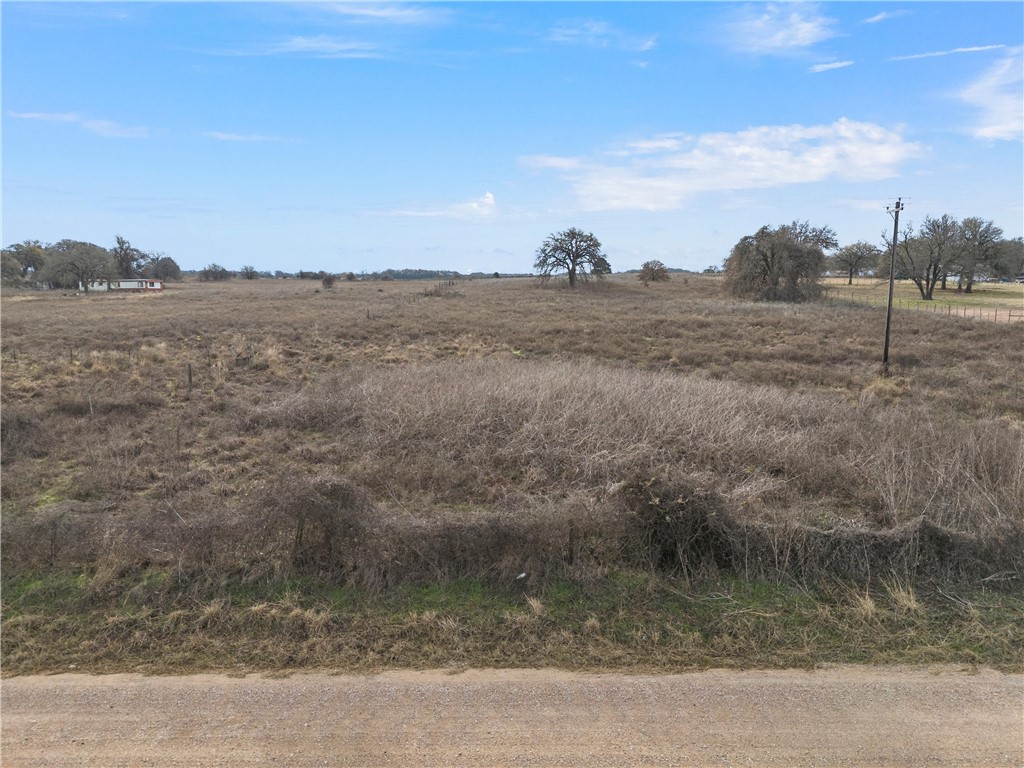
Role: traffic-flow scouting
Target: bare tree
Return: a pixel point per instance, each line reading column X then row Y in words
column 574, row 252
column 926, row 257
column 856, row 257
column 129, row 261
column 249, row 273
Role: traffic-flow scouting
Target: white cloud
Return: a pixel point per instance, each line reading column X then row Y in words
column 660, row 143
column 884, row 16
column 481, row 207
column 105, row 128
column 49, row 117
column 933, row 54
column 599, row 34
column 756, row 158
column 830, row 66
column 779, row 29
column 325, row 47
column 999, row 95
column 111, row 130
column 389, row 13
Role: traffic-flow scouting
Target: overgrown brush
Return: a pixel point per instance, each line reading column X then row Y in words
column 393, row 439
column 482, row 431
column 326, row 528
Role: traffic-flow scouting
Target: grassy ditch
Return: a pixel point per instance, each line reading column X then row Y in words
column 625, row 621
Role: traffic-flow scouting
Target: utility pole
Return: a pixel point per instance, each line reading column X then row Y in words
column 894, row 211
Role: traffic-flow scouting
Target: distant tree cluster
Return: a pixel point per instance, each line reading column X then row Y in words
column 214, row 273
column 68, row 263
column 784, row 263
column 942, row 248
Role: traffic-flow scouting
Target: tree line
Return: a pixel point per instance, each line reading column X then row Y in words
column 775, row 263
column 68, row 263
column 785, row 262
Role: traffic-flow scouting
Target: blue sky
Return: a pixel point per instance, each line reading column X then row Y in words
column 459, row 135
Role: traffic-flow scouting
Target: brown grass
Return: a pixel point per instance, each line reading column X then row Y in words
column 990, row 302
column 377, row 434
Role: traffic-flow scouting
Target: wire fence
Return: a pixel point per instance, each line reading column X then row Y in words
column 991, row 314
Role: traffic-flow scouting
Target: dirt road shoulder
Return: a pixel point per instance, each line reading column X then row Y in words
column 842, row 716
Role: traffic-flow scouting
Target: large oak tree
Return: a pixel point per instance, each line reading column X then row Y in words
column 574, row 252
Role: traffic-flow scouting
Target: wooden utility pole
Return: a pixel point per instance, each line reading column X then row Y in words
column 895, row 212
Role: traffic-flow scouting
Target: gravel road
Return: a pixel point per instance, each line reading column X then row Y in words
column 842, row 716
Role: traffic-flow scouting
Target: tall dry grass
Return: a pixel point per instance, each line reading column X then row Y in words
column 479, row 431
column 378, row 435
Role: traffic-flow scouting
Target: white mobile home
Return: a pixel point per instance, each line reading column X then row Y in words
column 124, row 284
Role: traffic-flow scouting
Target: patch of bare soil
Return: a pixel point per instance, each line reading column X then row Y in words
column 842, row 716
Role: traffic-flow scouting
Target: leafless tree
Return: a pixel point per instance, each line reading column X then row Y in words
column 856, row 257
column 926, row 257
column 128, row 260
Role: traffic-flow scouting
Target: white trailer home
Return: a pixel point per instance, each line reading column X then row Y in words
column 124, row 284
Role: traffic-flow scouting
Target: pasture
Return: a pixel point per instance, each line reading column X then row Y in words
column 268, row 474
column 996, row 302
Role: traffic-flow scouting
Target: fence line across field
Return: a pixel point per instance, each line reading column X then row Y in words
column 997, row 314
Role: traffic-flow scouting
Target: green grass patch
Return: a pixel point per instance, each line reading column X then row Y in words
column 627, row 621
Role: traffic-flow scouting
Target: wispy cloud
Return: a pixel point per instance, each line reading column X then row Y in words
column 831, row 65
column 884, row 16
column 106, row 128
column 933, row 54
column 48, row 117
column 999, row 96
column 481, row 207
column 241, row 137
column 599, row 34
column 639, row 177
column 387, row 13
column 663, row 142
column 325, row 47
column 778, row 29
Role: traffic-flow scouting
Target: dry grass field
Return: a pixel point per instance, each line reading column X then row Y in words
column 996, row 302
column 495, row 472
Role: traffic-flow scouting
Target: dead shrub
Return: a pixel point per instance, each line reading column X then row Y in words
column 68, row 534
column 21, row 434
column 690, row 532
column 681, row 530
column 314, row 524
